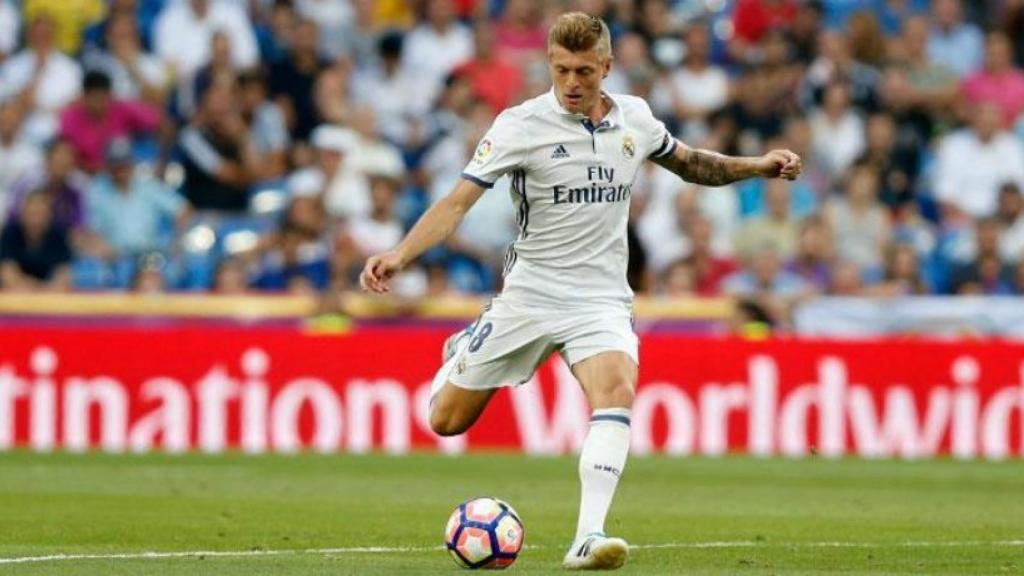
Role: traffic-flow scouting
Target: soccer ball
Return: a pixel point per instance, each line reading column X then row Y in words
column 484, row 533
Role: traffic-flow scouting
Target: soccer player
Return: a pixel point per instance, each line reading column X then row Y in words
column 572, row 155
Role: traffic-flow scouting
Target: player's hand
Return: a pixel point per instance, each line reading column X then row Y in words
column 379, row 270
column 781, row 164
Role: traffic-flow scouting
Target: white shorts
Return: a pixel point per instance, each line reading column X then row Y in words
column 510, row 340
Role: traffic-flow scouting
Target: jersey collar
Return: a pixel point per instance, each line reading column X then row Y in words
column 612, row 119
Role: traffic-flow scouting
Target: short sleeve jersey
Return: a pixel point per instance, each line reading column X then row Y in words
column 571, row 186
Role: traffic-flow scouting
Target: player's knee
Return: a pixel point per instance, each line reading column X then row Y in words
column 617, row 393
column 446, row 422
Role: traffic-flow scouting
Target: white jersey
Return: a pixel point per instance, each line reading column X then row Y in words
column 571, row 185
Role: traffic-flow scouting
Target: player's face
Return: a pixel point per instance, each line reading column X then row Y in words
column 577, row 77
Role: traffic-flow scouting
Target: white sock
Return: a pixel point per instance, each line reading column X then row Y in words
column 602, row 460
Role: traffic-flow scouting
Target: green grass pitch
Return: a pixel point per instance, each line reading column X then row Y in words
column 314, row 514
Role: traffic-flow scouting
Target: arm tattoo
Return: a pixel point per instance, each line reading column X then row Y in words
column 708, row 168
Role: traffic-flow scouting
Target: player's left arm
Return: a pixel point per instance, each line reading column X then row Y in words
column 708, row 168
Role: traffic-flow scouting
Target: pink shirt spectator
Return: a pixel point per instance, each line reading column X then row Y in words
column 89, row 135
column 521, row 44
column 1004, row 90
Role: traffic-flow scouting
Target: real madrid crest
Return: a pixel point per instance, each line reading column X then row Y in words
column 460, row 367
column 628, row 147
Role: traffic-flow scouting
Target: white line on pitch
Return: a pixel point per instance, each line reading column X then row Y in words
column 400, row 549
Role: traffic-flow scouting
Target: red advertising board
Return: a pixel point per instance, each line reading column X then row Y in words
column 263, row 389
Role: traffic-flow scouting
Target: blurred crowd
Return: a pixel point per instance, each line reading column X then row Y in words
column 251, row 145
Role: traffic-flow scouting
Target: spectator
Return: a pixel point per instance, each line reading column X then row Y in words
column 782, row 74
column 130, row 210
column 916, row 88
column 838, row 132
column 813, row 259
column 520, row 34
column 680, row 280
column 494, row 78
column 438, row 285
column 659, row 28
column 381, row 230
column 334, row 19
column 297, row 259
column 859, row 221
column 10, row 22
column 371, row 154
column 362, row 41
column 632, row 60
column 889, row 13
column 268, row 133
column 1018, row 278
column 134, row 73
column 34, row 250
column 1012, row 20
column 901, row 275
column 1011, row 220
column 764, row 281
column 752, row 19
column 698, row 87
column 292, row 78
column 274, row 26
column 441, row 137
column 971, row 165
column 953, row 42
column 97, row 119
column 806, row 28
column 760, row 117
column 41, row 79
column 297, row 262
column 909, row 226
column 386, row 87
column 18, row 158
column 985, row 273
column 1000, row 83
column 230, row 277
column 219, row 68
column 149, row 275
column 867, row 41
column 62, row 184
column 985, row 276
column 776, row 227
column 845, row 279
column 710, row 267
column 70, row 18
column 662, row 225
column 896, row 162
column 216, row 153
column 435, row 48
column 835, row 64
column 347, row 192
column 199, row 20
column 331, row 95
column 94, row 35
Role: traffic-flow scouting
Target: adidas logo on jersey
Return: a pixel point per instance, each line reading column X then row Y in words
column 560, row 152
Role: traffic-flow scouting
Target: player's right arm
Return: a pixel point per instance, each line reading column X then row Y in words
column 434, row 227
column 502, row 150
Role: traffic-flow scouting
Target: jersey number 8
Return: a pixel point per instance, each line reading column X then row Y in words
column 479, row 336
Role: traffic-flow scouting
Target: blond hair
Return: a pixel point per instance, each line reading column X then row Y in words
column 579, row 32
